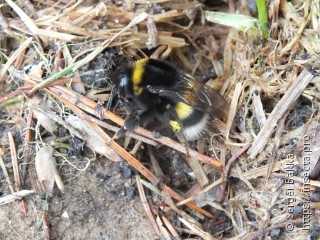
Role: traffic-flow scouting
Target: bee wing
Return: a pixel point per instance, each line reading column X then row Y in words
column 195, row 94
column 208, row 100
column 220, row 107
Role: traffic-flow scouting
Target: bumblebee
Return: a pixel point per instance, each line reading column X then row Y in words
column 155, row 91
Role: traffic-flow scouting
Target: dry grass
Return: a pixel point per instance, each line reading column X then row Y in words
column 256, row 178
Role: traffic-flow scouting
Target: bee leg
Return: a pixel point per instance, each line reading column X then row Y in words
column 120, row 133
column 131, row 122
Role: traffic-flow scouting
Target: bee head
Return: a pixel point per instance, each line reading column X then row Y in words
column 122, row 82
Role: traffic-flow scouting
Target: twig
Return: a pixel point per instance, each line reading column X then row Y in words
column 46, row 226
column 14, row 161
column 258, row 109
column 14, row 94
column 263, row 171
column 38, row 31
column 5, row 26
column 6, row 175
column 206, row 189
column 29, row 126
column 68, row 102
column 164, row 232
column 157, row 170
column 173, row 194
column 15, row 196
column 90, row 106
column 27, row 20
column 143, row 170
column 276, row 145
column 172, row 230
column 13, row 100
column 146, row 206
column 282, row 106
column 16, row 174
column 233, row 107
column 14, row 56
column 105, row 125
column 198, row 231
column 230, row 164
column 297, row 36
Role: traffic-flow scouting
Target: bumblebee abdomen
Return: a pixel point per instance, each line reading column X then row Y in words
column 197, row 127
column 191, row 122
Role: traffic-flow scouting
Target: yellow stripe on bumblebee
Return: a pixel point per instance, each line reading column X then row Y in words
column 137, row 90
column 138, row 70
column 176, row 127
column 183, row 110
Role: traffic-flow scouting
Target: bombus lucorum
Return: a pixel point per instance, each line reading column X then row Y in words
column 155, row 92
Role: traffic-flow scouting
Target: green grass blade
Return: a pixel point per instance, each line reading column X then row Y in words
column 263, row 17
column 242, row 22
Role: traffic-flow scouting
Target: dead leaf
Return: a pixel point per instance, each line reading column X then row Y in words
column 45, row 121
column 44, row 118
column 92, row 139
column 47, row 171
